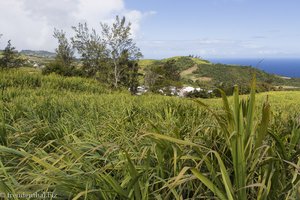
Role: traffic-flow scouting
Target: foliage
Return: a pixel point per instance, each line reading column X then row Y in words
column 183, row 62
column 91, row 49
column 162, row 75
column 64, row 51
column 171, row 71
column 60, row 68
column 64, row 59
column 200, row 94
column 29, row 78
column 129, row 74
column 240, row 75
column 201, row 73
column 20, row 79
column 109, row 57
column 253, row 162
column 71, row 137
column 119, row 44
column 10, row 57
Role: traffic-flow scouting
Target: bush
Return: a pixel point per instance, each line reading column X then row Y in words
column 200, row 94
column 11, row 58
column 59, row 68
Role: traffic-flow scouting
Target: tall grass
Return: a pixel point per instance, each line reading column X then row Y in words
column 79, row 140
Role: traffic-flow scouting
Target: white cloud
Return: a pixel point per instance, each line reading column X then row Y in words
column 207, row 48
column 92, row 11
column 250, row 45
column 270, row 52
column 30, row 23
column 135, row 18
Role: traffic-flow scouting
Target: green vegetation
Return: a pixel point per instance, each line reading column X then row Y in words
column 161, row 75
column 37, row 61
column 110, row 57
column 121, row 49
column 64, row 51
column 64, row 60
column 43, row 54
column 10, row 58
column 74, row 137
column 78, row 133
column 201, row 73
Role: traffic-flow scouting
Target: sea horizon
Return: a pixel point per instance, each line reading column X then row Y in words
column 288, row 67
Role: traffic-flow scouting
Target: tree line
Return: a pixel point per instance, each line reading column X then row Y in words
column 109, row 56
column 10, row 57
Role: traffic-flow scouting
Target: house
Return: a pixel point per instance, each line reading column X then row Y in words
column 141, row 90
column 172, row 90
column 185, row 90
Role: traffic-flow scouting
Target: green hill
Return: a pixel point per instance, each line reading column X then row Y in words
column 40, row 53
column 198, row 72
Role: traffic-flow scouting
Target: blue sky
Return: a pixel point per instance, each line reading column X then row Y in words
column 164, row 28
column 219, row 28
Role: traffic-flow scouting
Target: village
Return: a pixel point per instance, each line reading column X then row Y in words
column 174, row 91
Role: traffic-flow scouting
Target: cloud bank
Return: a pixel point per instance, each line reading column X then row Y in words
column 30, row 23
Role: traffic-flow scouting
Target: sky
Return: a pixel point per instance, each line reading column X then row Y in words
column 164, row 28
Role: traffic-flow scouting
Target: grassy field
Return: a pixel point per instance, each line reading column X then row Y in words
column 80, row 140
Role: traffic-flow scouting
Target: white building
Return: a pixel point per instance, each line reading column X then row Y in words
column 185, row 90
column 141, row 90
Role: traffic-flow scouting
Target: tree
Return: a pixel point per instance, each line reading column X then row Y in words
column 118, row 41
column 162, row 75
column 0, row 38
column 200, row 94
column 64, row 51
column 171, row 70
column 91, row 49
column 64, row 57
column 129, row 77
column 10, row 57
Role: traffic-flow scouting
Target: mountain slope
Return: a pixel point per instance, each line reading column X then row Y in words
column 195, row 71
column 41, row 53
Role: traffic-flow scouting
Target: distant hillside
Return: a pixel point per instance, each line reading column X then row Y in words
column 41, row 53
column 203, row 73
column 38, row 58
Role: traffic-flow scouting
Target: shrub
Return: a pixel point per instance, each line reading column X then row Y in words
column 59, row 68
column 200, row 94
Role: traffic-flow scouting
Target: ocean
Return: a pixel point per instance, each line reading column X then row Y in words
column 289, row 67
